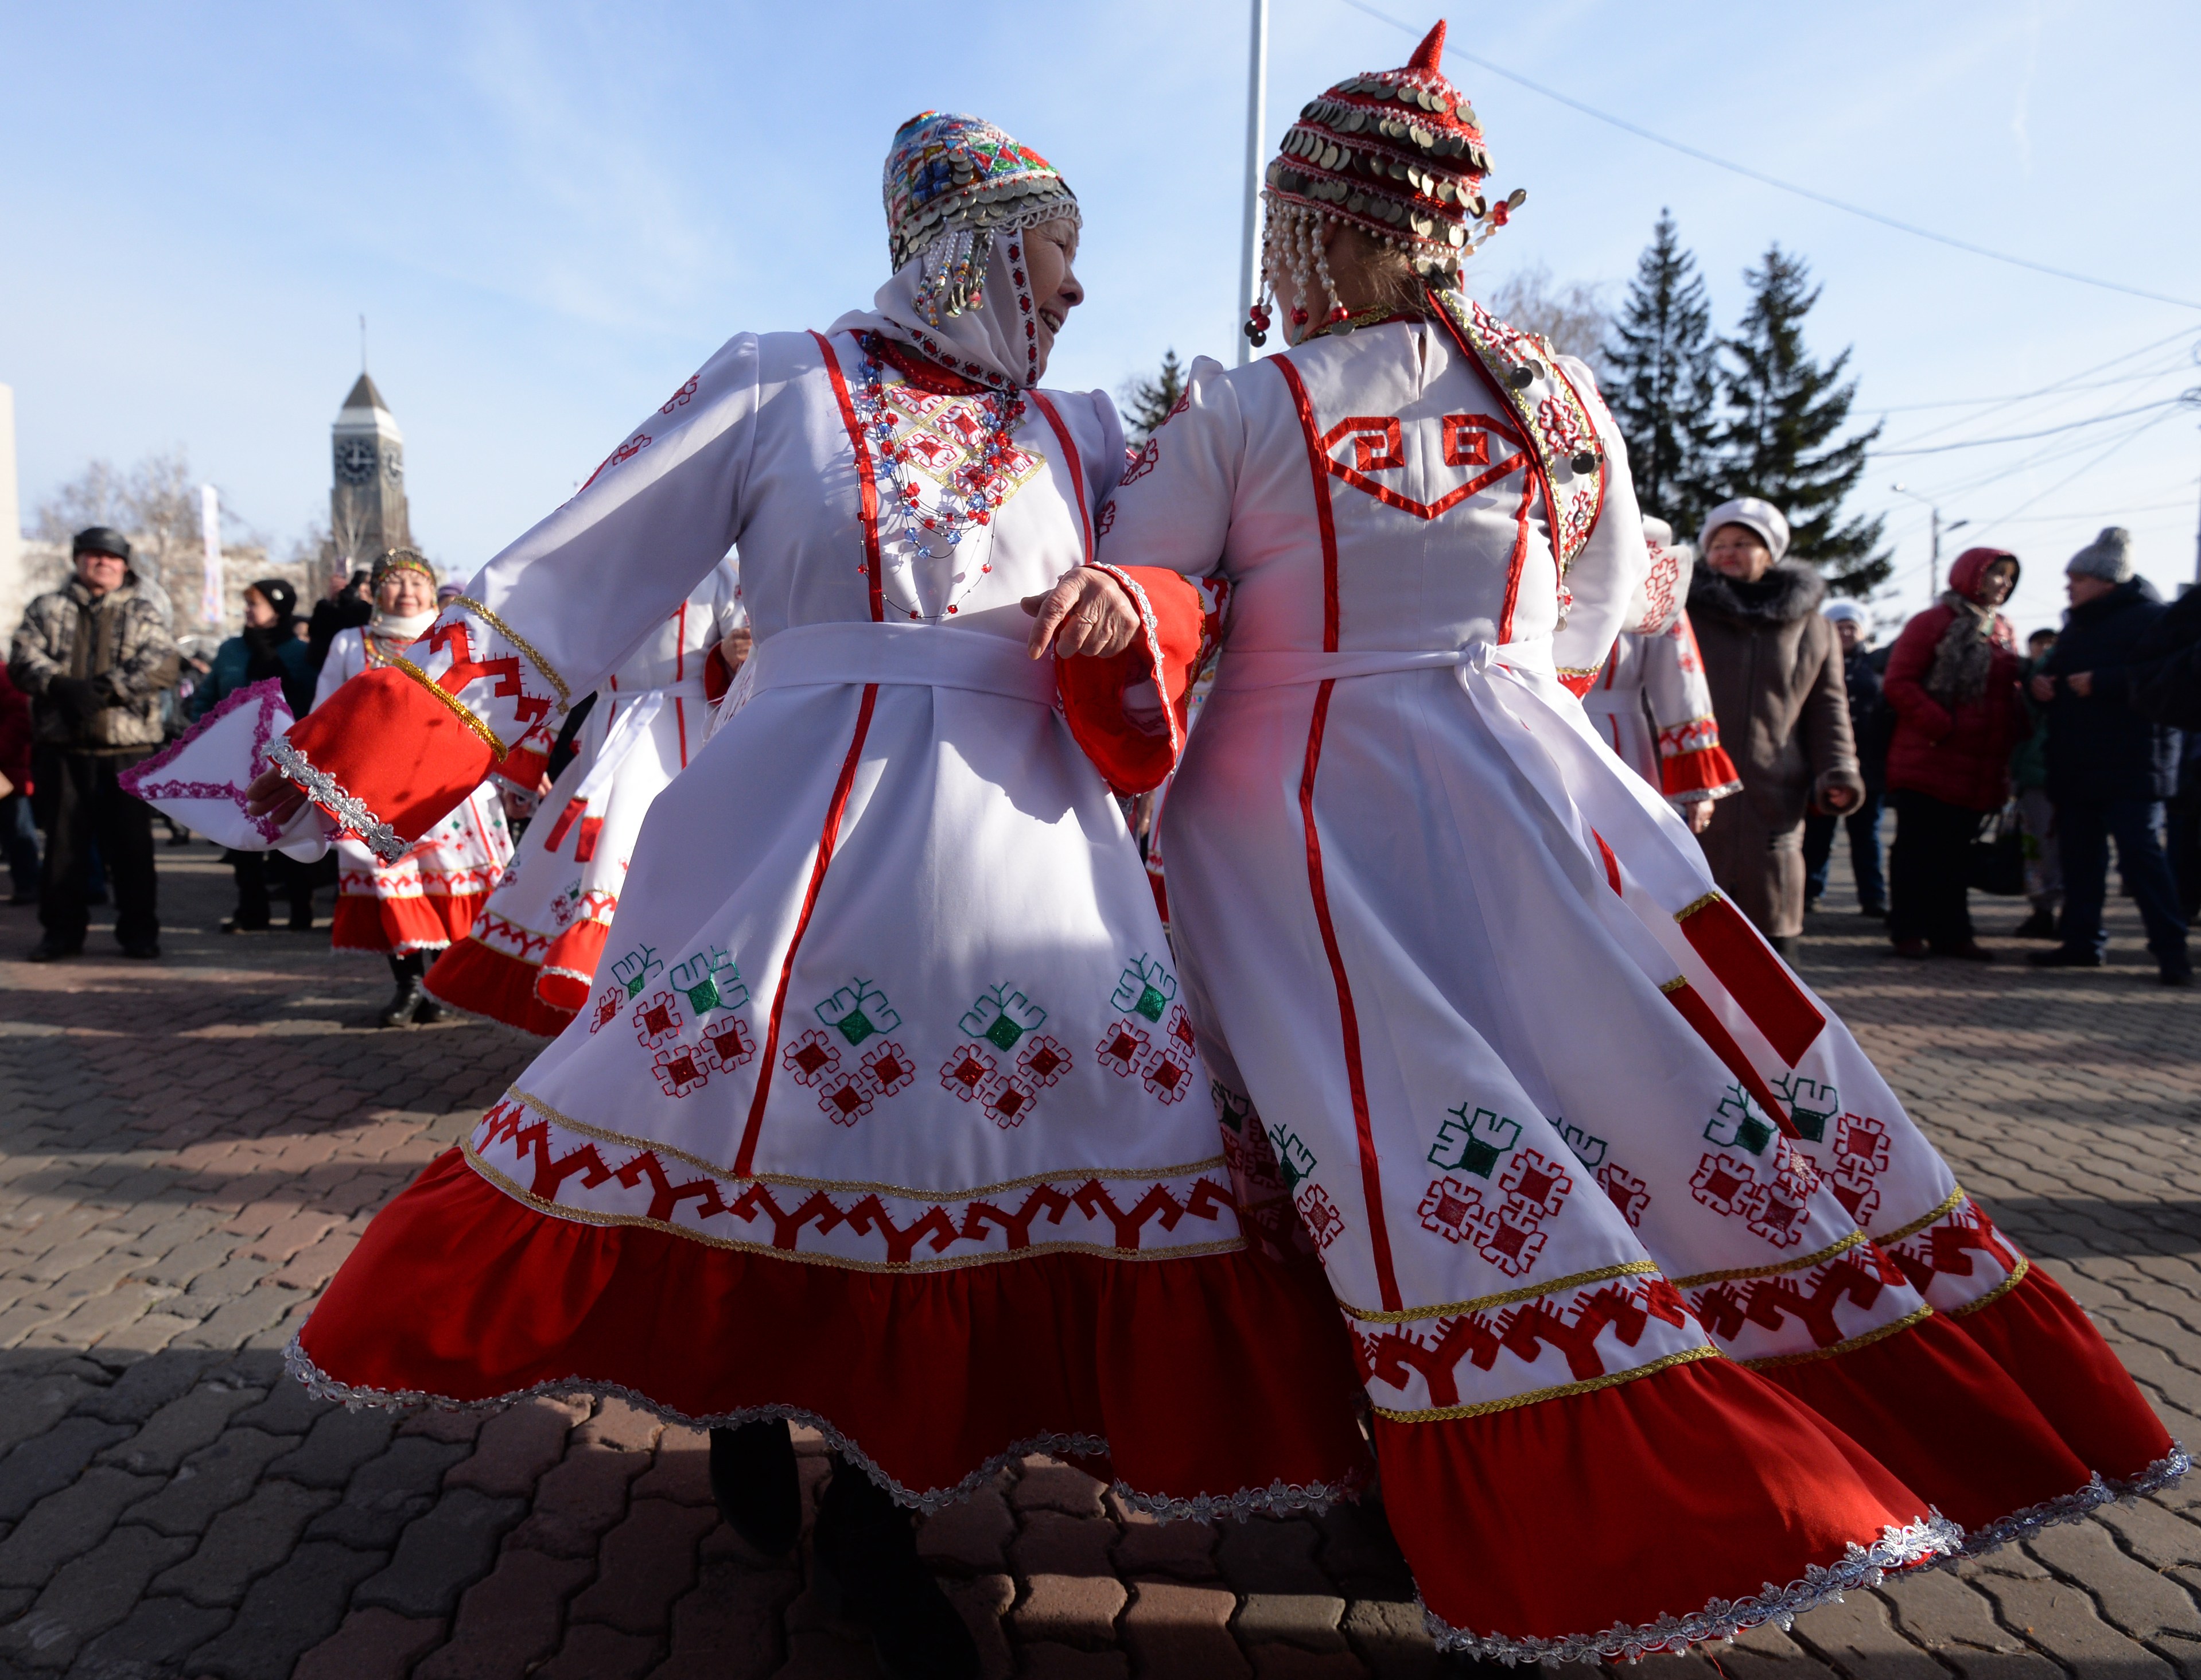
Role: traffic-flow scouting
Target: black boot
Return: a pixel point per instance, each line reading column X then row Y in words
column 427, row 1012
column 406, row 971
column 867, row 1569
column 2040, row 925
column 754, row 1480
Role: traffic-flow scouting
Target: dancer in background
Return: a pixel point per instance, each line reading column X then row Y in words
column 530, row 962
column 411, row 903
column 1637, row 1249
column 1650, row 703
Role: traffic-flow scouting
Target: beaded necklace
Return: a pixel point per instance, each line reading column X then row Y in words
column 975, row 491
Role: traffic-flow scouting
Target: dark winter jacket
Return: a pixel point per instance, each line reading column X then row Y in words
column 1774, row 667
column 2165, row 673
column 14, row 735
column 95, row 667
column 243, row 660
column 1960, row 757
column 1871, row 722
column 2099, row 748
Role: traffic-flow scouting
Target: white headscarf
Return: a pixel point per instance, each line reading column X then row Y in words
column 997, row 343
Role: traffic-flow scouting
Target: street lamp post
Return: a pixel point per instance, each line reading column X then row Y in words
column 1257, row 102
column 1934, row 566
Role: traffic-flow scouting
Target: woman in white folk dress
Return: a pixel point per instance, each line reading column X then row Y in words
column 1641, row 1256
column 529, row 962
column 886, row 1116
column 413, row 906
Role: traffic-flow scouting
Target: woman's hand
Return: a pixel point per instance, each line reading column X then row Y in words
column 1088, row 613
column 274, row 795
column 2043, row 688
column 1838, row 799
column 2081, row 682
column 1700, row 816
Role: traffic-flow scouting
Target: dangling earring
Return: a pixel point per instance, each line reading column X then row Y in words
column 1257, row 324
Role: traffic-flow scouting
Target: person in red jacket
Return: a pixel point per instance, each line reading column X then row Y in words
column 1952, row 680
column 19, row 842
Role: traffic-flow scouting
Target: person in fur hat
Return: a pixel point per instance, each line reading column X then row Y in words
column 1775, row 669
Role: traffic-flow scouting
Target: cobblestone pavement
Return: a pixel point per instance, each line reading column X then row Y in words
column 188, row 1149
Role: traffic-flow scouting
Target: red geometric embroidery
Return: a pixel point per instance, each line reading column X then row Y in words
column 969, row 1072
column 1320, row 1217
column 1523, row 1331
column 1121, row 1048
column 727, row 1045
column 1948, row 1247
column 1379, row 447
column 607, row 1006
column 1510, row 1236
column 1008, row 1105
column 464, row 669
column 888, row 1067
column 657, row 1019
column 1776, row 1209
column 1629, row 1194
column 1856, row 1274
column 680, row 398
column 844, row 1101
column 1451, row 1209
column 680, row 1069
column 1043, row 1062
column 811, row 1058
column 1167, row 1075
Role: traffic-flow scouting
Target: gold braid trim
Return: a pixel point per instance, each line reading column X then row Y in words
column 457, row 706
column 1694, row 905
column 770, row 1251
column 2015, row 1278
column 1370, row 1316
column 1803, row 1264
column 1484, row 1408
column 518, row 641
column 1774, row 1362
column 1674, row 985
column 1947, row 1206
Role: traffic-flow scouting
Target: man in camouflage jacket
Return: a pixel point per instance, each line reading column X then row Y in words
column 95, row 656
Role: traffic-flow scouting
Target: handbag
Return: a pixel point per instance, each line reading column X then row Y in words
column 1995, row 862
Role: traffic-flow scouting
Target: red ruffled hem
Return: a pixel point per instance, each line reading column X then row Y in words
column 1944, row 1417
column 1704, row 773
column 1205, row 1381
column 569, row 966
column 423, row 924
column 1639, row 1516
column 2039, row 1335
column 494, row 985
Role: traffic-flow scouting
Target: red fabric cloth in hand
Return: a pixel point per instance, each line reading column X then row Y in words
column 395, row 748
column 1135, row 756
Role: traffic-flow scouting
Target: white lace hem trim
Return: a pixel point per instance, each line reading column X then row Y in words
column 330, row 795
column 1278, row 1498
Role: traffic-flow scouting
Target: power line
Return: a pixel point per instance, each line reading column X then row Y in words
column 2024, row 436
column 1457, row 51
column 2115, row 443
column 2069, row 383
column 2021, row 397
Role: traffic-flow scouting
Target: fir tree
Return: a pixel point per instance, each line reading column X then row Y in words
column 1662, row 383
column 1147, row 402
column 1783, row 411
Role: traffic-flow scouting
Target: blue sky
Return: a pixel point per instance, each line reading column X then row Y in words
column 549, row 213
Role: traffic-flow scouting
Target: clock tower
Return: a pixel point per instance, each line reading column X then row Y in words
column 366, row 500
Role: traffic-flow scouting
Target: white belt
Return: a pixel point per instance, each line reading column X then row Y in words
column 813, row 655
column 1285, row 667
column 637, row 708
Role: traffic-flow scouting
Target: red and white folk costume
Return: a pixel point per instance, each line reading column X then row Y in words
column 1650, row 703
column 426, row 896
column 530, row 961
column 1648, row 1274
column 886, row 1116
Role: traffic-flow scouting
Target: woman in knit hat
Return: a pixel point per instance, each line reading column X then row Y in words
column 410, row 902
column 884, row 1115
column 1575, row 1147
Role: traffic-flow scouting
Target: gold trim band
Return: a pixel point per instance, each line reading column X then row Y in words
column 1694, row 905
column 1484, row 1408
column 903, row 1190
column 1370, row 1315
column 465, row 715
column 992, row 1257
column 1775, row 1361
column 1920, row 1223
column 518, row 641
column 1674, row 985
column 1803, row 1264
column 2015, row 1278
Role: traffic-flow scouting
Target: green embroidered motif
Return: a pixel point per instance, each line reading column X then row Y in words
column 1473, row 1142
column 859, row 1010
column 1811, row 1104
column 1145, row 989
column 637, row 968
column 1001, row 1016
column 1233, row 1108
column 1588, row 1150
column 1736, row 1124
column 711, row 981
column 1294, row 1158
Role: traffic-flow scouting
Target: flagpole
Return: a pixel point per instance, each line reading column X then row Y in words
column 1257, row 100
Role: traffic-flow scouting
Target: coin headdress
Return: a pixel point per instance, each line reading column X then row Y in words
column 402, row 560
column 1397, row 154
column 951, row 182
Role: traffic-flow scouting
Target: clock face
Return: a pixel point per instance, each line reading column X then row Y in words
column 393, row 468
column 355, row 460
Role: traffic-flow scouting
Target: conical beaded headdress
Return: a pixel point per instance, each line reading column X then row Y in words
column 951, row 182
column 1397, row 154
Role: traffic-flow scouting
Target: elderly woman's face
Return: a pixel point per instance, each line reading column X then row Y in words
column 1738, row 552
column 406, row 594
column 1050, row 249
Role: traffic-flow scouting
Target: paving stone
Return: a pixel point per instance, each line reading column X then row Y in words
column 184, row 1425
column 210, row 1481
column 1312, row 1621
column 244, row 1543
column 454, row 1425
column 1146, row 1547
column 65, row 1523
column 90, row 1594
column 50, row 1461
column 371, row 1645
column 1078, row 1610
column 339, row 1444
column 1048, row 1485
column 517, row 1445
column 968, row 1536
column 145, row 1387
column 2060, row 1618
column 152, row 1640
column 1291, row 1662
column 682, row 1468
column 442, row 1553
column 1178, row 1632
column 33, row 1403
column 287, row 1409
column 579, row 1502
column 1858, row 1638
column 1359, row 1554
column 983, row 1601
column 647, row 1562
column 1956, row 1623
column 728, row 1628
column 1766, row 1652
column 287, row 1612
column 1267, row 1555
column 1054, row 1544
column 827, row 1653
column 509, row 1620
column 1388, row 1635
column 386, row 1493
column 621, row 1424
column 2129, row 1594
column 594, row 1652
